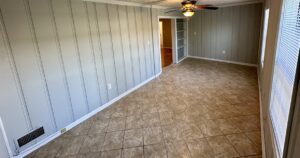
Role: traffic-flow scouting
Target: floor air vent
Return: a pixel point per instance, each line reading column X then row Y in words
column 30, row 136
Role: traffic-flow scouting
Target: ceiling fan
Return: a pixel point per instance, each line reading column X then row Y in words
column 189, row 7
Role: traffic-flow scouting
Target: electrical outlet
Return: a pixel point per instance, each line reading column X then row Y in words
column 223, row 51
column 109, row 86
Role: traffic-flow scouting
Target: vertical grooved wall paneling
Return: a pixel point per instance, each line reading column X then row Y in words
column 12, row 100
column 117, row 48
column 155, row 40
column 17, row 21
column 44, row 30
column 140, row 39
column 232, row 29
column 97, row 49
column 86, row 53
column 126, row 46
column 61, row 59
column 134, row 44
column 66, row 39
column 107, row 50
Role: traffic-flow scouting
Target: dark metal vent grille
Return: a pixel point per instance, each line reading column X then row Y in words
column 30, row 136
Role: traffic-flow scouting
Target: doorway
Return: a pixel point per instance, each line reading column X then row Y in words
column 166, row 41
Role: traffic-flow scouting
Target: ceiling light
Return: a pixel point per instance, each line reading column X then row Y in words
column 188, row 13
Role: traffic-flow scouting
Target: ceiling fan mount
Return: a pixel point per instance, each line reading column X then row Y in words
column 189, row 7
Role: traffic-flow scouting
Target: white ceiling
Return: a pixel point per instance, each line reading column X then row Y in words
column 177, row 3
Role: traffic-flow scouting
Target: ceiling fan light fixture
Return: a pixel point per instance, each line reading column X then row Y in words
column 188, row 13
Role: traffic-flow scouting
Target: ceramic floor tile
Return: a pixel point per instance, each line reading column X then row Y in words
column 50, row 150
column 134, row 121
column 243, row 145
column 71, row 146
column 194, row 107
column 119, row 112
column 189, row 130
column 133, row 138
column 133, row 152
column 152, row 135
column 81, row 129
column 151, row 119
column 72, row 156
column 92, row 143
column 171, row 133
column 226, row 126
column 113, row 140
column 255, row 137
column 209, row 128
column 199, row 148
column 92, row 155
column 177, row 149
column 99, row 126
column 222, row 147
column 134, row 110
column 111, row 154
column 247, row 123
column 166, row 118
column 155, row 151
column 116, row 124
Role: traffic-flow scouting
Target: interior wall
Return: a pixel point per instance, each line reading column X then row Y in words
column 229, row 33
column 3, row 149
column 61, row 59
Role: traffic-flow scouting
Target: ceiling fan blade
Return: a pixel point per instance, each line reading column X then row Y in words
column 173, row 10
column 209, row 7
column 154, row 2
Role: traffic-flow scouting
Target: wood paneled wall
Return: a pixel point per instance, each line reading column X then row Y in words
column 57, row 58
column 235, row 30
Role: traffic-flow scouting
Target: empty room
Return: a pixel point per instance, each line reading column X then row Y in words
column 149, row 78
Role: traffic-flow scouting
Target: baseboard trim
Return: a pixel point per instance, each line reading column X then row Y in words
column 82, row 119
column 224, row 61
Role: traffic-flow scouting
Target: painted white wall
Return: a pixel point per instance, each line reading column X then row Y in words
column 3, row 149
column 229, row 33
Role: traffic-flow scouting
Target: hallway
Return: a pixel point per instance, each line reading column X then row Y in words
column 194, row 109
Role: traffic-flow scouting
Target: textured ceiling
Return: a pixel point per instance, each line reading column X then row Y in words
column 176, row 3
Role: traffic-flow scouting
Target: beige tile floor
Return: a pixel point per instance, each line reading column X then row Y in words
column 197, row 109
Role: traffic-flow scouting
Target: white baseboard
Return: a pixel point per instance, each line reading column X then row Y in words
column 82, row 119
column 224, row 61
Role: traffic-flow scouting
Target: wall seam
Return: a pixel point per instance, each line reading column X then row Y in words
column 109, row 23
column 16, row 77
column 143, row 40
column 126, row 84
column 130, row 49
column 39, row 58
column 101, row 49
column 93, row 51
column 78, row 56
column 61, row 60
column 138, row 46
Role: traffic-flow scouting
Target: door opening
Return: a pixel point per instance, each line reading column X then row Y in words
column 166, row 42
